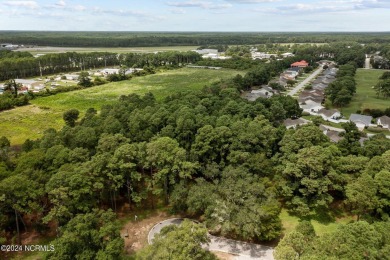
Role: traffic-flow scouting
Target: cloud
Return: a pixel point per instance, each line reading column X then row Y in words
column 252, row 1
column 177, row 11
column 61, row 3
column 200, row 4
column 25, row 4
column 144, row 16
column 326, row 7
column 79, row 8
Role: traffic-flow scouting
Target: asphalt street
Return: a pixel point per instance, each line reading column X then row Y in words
column 241, row 250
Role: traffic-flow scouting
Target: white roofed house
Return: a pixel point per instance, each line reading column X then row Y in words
column 310, row 106
column 110, row 71
column 361, row 121
column 71, row 76
column 28, row 83
column 331, row 114
column 264, row 92
column 383, row 121
column 207, row 51
column 287, row 54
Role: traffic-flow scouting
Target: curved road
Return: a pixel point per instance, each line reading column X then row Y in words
column 307, row 80
column 241, row 250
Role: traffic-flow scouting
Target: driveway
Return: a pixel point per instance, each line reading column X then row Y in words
column 303, row 83
column 241, row 250
column 367, row 64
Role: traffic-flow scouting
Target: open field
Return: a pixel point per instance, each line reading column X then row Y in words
column 365, row 95
column 321, row 224
column 30, row 121
column 48, row 49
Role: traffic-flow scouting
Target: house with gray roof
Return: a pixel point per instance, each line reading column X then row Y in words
column 327, row 114
column 320, row 86
column 383, row 121
column 361, row 121
column 333, row 136
column 294, row 123
column 264, row 92
column 311, row 106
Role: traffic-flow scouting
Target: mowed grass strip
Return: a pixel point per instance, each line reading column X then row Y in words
column 29, row 122
column 365, row 96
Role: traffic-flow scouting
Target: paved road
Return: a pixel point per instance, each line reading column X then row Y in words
column 240, row 249
column 303, row 83
column 367, row 64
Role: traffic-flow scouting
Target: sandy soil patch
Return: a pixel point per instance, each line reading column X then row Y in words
column 135, row 233
column 223, row 256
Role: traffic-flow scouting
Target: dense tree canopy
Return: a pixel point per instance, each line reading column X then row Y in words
column 209, row 154
column 178, row 242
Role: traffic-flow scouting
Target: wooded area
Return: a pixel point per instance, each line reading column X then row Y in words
column 208, row 154
column 144, row 39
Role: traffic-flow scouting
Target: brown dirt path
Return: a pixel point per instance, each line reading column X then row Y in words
column 137, row 231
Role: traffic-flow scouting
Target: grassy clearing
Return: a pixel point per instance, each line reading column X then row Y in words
column 322, row 223
column 26, row 122
column 365, row 95
column 46, row 49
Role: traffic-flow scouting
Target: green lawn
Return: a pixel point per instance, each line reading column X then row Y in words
column 365, row 95
column 321, row 224
column 30, row 121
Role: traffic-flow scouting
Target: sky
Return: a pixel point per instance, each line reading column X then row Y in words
column 196, row 15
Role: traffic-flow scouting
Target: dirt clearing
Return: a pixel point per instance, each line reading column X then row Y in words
column 135, row 233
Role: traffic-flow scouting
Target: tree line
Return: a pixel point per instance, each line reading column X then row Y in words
column 341, row 91
column 144, row 39
column 22, row 66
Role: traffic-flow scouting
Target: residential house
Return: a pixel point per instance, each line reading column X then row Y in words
column 310, row 106
column 207, row 51
column 262, row 55
column 333, row 135
column 319, row 86
column 287, row 54
column 291, row 73
column 71, row 76
column 329, row 114
column 109, row 71
column 294, row 69
column 314, row 95
column 361, row 121
column 294, row 123
column 383, row 121
column 264, row 92
column 23, row 90
column 300, row 64
column 39, row 88
column 28, row 83
column 281, row 81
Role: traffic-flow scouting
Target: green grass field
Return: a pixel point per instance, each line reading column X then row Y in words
column 30, row 121
column 365, row 95
column 321, row 224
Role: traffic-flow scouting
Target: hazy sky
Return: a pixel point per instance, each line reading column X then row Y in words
column 196, row 15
